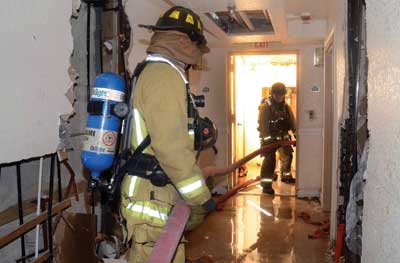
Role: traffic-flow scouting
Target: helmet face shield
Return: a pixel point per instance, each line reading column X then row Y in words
column 279, row 92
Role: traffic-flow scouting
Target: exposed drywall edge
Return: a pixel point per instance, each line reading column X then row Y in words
column 76, row 5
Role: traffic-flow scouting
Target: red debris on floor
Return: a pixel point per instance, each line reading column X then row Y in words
column 322, row 231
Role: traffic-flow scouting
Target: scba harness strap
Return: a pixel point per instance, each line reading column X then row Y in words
column 143, row 165
column 146, row 166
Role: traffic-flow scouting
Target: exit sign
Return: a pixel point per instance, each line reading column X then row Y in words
column 261, row 44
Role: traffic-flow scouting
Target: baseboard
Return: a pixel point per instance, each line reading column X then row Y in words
column 308, row 192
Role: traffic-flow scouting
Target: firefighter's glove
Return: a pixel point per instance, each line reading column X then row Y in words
column 209, row 206
column 198, row 213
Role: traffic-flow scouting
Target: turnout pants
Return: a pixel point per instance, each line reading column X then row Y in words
column 145, row 209
column 141, row 251
column 268, row 164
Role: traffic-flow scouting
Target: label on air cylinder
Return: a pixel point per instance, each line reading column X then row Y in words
column 107, row 94
column 99, row 141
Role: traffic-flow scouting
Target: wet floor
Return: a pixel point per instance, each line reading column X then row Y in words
column 254, row 227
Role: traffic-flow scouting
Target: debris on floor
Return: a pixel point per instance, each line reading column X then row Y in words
column 322, row 231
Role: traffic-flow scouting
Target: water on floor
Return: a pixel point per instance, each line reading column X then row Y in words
column 255, row 227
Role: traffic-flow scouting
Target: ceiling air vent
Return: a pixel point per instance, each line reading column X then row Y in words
column 247, row 22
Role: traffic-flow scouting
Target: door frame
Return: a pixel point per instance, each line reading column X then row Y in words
column 327, row 128
column 331, row 43
column 230, row 92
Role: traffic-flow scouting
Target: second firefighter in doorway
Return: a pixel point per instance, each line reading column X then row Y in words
column 275, row 121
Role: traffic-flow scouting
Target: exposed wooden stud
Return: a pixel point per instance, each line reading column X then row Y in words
column 29, row 206
column 13, row 235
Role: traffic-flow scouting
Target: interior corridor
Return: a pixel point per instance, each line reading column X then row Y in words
column 63, row 123
column 255, row 227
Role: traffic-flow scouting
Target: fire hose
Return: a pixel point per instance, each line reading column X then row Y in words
column 225, row 170
column 247, row 158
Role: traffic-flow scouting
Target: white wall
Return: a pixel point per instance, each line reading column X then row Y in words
column 215, row 79
column 309, row 150
column 381, row 228
column 36, row 45
column 142, row 12
column 337, row 25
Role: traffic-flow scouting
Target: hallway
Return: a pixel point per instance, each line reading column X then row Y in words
column 243, row 232
column 71, row 142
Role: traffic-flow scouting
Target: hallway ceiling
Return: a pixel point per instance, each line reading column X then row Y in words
column 285, row 16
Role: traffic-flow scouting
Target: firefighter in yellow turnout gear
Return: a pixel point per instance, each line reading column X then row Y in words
column 160, row 110
column 275, row 120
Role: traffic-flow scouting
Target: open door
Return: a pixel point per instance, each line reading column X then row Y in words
column 250, row 78
column 237, row 117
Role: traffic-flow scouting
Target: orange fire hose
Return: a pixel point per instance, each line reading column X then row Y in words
column 221, row 171
column 235, row 165
column 221, row 200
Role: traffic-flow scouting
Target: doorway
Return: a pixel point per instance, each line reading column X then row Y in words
column 251, row 76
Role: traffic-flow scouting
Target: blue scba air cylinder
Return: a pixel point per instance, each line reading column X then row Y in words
column 102, row 127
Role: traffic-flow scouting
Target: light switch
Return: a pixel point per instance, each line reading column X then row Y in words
column 311, row 114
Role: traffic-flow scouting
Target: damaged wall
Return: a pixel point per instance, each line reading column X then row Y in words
column 44, row 36
column 36, row 47
column 381, row 228
column 46, row 88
